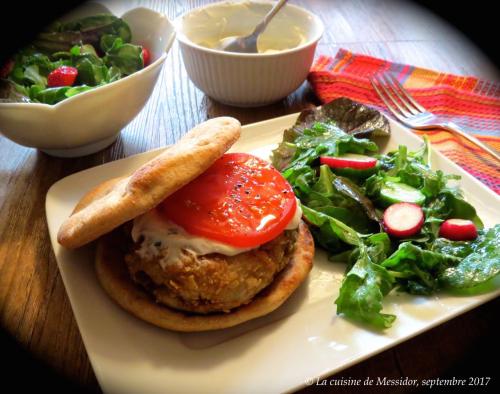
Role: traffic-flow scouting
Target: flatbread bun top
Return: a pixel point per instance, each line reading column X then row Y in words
column 117, row 201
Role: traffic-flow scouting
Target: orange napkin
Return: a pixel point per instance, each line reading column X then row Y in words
column 467, row 100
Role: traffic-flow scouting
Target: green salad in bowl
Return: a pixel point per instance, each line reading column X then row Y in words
column 395, row 221
column 72, row 57
column 82, row 80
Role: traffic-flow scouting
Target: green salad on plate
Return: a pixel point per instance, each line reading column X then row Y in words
column 396, row 222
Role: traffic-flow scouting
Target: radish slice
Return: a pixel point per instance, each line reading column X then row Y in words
column 458, row 230
column 403, row 219
column 358, row 162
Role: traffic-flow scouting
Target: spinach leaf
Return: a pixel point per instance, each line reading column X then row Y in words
column 417, row 269
column 32, row 76
column 91, row 70
column 477, row 267
column 329, row 231
column 459, row 249
column 126, row 57
column 355, row 219
column 107, row 41
column 338, row 228
column 49, row 95
column 449, row 203
column 113, row 74
column 57, row 94
column 74, row 90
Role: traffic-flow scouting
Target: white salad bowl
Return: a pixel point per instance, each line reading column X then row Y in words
column 248, row 80
column 92, row 120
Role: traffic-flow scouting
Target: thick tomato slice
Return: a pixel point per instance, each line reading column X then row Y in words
column 240, row 200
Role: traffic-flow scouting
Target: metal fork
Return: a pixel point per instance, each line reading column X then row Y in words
column 412, row 114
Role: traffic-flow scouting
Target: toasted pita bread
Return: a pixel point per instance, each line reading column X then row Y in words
column 115, row 279
column 121, row 199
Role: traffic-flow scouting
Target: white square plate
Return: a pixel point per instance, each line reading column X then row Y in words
column 280, row 352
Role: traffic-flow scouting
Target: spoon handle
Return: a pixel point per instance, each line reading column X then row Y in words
column 262, row 25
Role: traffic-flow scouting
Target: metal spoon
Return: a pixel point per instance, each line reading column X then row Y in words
column 248, row 44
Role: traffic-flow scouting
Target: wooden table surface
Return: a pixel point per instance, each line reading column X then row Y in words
column 34, row 307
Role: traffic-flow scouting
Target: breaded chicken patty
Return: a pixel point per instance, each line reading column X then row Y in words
column 212, row 282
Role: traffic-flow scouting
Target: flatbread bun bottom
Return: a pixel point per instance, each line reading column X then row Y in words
column 115, row 279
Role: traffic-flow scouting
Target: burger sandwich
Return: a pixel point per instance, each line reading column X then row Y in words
column 196, row 239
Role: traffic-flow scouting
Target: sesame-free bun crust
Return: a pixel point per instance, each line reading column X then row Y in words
column 119, row 200
column 115, row 279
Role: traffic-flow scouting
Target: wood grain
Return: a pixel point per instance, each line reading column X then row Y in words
column 34, row 307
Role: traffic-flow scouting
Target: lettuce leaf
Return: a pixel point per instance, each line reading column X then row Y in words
column 321, row 139
column 61, row 36
column 362, row 291
column 330, row 130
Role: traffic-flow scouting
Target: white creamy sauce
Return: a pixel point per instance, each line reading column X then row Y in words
column 264, row 44
column 165, row 238
column 294, row 223
column 210, row 26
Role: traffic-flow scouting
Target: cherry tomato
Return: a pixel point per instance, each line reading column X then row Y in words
column 146, row 56
column 62, row 76
column 240, row 200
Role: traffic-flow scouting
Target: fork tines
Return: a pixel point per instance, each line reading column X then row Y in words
column 412, row 114
column 395, row 97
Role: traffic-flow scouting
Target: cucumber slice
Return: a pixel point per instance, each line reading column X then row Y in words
column 355, row 174
column 394, row 192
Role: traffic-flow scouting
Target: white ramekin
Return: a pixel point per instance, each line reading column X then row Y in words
column 247, row 80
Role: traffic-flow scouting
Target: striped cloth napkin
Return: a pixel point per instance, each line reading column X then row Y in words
column 469, row 101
